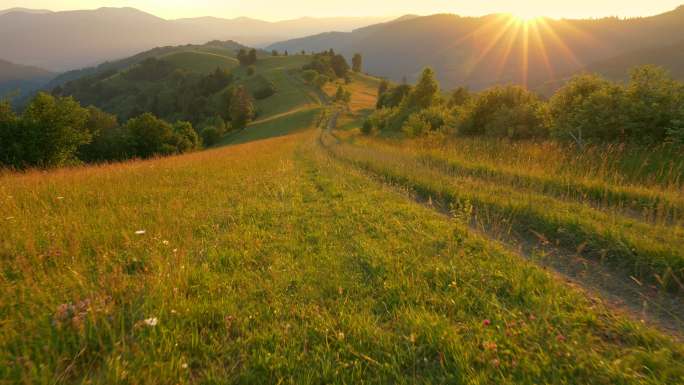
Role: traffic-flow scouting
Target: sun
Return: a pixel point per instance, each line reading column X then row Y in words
column 525, row 17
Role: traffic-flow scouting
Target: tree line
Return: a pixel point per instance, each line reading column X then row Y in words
column 588, row 108
column 56, row 131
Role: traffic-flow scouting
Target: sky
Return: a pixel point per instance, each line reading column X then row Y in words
column 273, row 10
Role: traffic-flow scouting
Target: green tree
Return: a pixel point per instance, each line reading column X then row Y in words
column 589, row 107
column 109, row 141
column 357, row 62
column 505, row 111
column 252, row 56
column 383, row 87
column 459, row 97
column 655, row 104
column 150, row 136
column 186, row 138
column 339, row 65
column 210, row 136
column 241, row 108
column 342, row 95
column 49, row 133
column 426, row 91
column 274, row 53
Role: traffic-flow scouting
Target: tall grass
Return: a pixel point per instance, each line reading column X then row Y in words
column 652, row 251
column 269, row 262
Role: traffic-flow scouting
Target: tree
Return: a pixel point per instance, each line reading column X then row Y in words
column 274, row 53
column 589, row 107
column 656, row 104
column 210, row 136
column 252, row 56
column 426, row 91
column 357, row 62
column 150, row 136
column 342, row 95
column 48, row 134
column 109, row 142
column 506, row 111
column 339, row 65
column 247, row 58
column 459, row 97
column 186, row 138
column 241, row 108
column 383, row 87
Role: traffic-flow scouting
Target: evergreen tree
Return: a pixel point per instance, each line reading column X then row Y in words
column 357, row 62
column 426, row 91
column 241, row 108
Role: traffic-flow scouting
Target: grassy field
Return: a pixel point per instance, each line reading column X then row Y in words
column 202, row 62
column 296, row 256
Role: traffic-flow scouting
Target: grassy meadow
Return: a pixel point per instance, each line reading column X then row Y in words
column 295, row 255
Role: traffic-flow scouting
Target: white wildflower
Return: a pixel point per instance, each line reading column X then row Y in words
column 151, row 321
column 140, row 232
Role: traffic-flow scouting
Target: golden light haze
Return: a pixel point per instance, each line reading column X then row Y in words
column 280, row 9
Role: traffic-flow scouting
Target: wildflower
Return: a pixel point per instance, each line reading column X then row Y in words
column 496, row 362
column 60, row 198
column 151, row 321
column 490, row 346
column 184, row 365
column 340, row 336
column 140, row 232
column 9, row 218
column 560, row 338
column 165, row 242
column 486, row 322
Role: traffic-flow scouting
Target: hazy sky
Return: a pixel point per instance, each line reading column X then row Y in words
column 286, row 9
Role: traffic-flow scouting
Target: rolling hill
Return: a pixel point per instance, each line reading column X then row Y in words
column 481, row 51
column 69, row 40
column 301, row 253
column 21, row 80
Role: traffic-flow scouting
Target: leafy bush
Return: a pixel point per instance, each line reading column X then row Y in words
column 655, row 104
column 210, row 136
column 433, row 119
column 508, row 111
column 589, row 107
column 48, row 134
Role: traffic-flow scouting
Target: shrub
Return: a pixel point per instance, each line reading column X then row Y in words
column 434, row 119
column 309, row 76
column 655, row 104
column 509, row 111
column 416, row 125
column 265, row 91
column 48, row 134
column 210, row 136
column 589, row 108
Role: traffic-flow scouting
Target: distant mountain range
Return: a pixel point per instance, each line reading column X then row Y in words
column 61, row 41
column 481, row 51
column 17, row 80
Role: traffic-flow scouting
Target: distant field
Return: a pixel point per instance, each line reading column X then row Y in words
column 203, row 62
column 297, row 255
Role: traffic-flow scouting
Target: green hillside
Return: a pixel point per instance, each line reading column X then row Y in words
column 300, row 253
column 203, row 62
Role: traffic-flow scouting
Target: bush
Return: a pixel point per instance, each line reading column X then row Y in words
column 265, row 91
column 150, row 136
column 416, row 125
column 309, row 76
column 589, row 108
column 509, row 111
column 210, row 136
column 655, row 104
column 48, row 134
column 434, row 119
